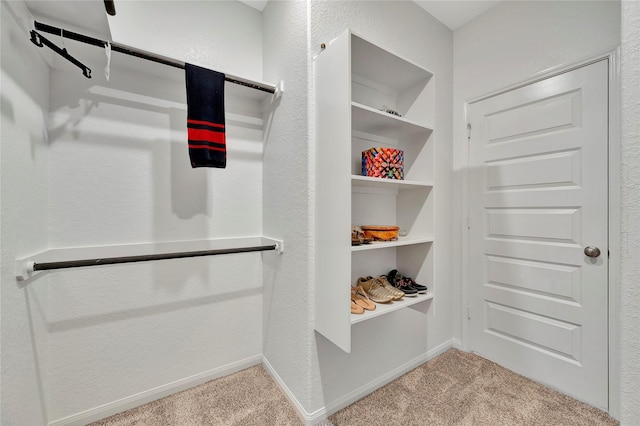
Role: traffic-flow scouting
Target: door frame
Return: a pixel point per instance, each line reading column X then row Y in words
column 613, row 210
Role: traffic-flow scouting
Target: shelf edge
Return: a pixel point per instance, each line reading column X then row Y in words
column 376, row 245
column 383, row 309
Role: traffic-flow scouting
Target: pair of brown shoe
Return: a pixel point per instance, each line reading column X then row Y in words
column 360, row 301
column 379, row 289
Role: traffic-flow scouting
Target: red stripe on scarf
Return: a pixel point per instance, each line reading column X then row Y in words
column 206, row 135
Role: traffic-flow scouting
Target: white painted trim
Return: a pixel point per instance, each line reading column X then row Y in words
column 310, row 418
column 320, row 415
column 613, row 56
column 306, row 417
column 129, row 402
column 457, row 344
column 545, row 74
column 377, row 383
column 464, row 232
column 614, row 233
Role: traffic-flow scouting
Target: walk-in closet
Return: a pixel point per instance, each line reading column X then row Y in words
column 155, row 239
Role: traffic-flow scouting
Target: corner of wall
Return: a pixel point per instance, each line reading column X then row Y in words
column 23, row 157
column 630, row 215
column 288, row 300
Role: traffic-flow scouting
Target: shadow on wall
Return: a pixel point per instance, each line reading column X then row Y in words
column 7, row 108
column 178, row 305
column 148, row 105
column 35, row 316
column 84, row 297
column 145, row 106
column 119, row 173
column 125, row 142
column 380, row 352
column 16, row 42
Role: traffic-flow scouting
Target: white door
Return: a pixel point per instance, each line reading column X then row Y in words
column 538, row 203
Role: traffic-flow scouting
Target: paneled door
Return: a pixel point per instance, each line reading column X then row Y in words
column 538, row 231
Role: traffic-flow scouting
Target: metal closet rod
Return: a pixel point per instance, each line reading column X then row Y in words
column 143, row 258
column 131, row 51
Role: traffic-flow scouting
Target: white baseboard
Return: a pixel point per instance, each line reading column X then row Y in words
column 306, row 417
column 320, row 415
column 457, row 344
column 310, row 418
column 365, row 390
column 118, row 406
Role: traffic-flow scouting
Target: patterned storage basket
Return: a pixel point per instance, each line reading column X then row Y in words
column 387, row 163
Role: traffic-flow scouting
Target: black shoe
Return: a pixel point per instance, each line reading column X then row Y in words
column 395, row 277
column 404, row 287
column 421, row 289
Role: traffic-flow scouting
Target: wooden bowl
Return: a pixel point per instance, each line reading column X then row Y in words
column 381, row 233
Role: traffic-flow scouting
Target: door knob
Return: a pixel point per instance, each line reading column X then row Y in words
column 592, row 251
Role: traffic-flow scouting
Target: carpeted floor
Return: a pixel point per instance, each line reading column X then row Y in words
column 459, row 388
column 456, row 388
column 249, row 397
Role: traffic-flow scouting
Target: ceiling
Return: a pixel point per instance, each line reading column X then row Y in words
column 455, row 13
column 91, row 14
column 452, row 13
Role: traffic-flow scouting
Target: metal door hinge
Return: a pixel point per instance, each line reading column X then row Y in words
column 468, row 222
column 468, row 311
column 468, row 132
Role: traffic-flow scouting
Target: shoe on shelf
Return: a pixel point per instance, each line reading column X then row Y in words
column 397, row 293
column 374, row 290
column 358, row 237
column 356, row 309
column 368, row 283
column 395, row 277
column 403, row 286
column 356, row 240
column 365, row 301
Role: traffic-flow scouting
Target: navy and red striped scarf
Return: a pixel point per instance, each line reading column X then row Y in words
column 205, row 117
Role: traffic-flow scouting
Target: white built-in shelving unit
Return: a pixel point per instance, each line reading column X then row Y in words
column 355, row 80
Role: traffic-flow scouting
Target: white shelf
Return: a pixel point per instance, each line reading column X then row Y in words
column 385, row 308
column 373, row 121
column 372, row 182
column 383, row 67
column 354, row 78
column 401, row 241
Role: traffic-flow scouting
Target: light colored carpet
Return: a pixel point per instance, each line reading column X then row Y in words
column 249, row 397
column 456, row 388
column 459, row 388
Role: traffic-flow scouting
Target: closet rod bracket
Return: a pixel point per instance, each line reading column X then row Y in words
column 24, row 269
column 279, row 90
column 279, row 244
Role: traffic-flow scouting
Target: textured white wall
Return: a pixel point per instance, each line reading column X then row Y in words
column 317, row 373
column 511, row 43
column 288, row 308
column 221, row 35
column 630, row 216
column 24, row 96
column 118, row 172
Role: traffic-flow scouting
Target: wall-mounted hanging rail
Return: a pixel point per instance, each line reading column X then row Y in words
column 132, row 51
column 143, row 258
column 49, row 260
